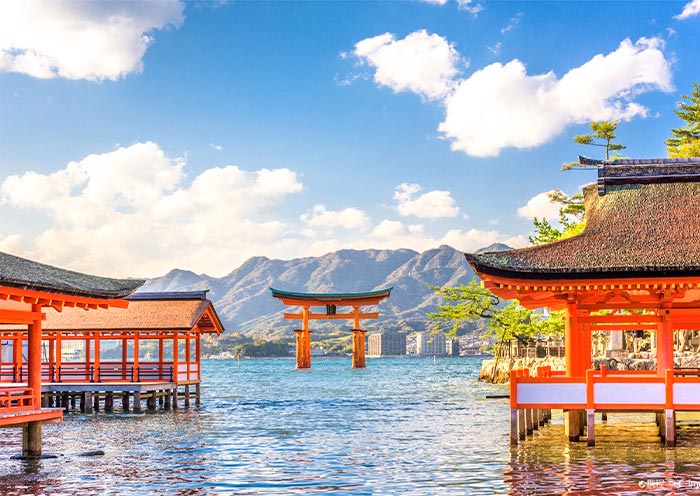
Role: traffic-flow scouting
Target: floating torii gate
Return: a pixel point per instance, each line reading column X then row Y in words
column 331, row 301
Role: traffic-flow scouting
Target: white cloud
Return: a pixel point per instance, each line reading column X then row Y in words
column 690, row 9
column 495, row 49
column 502, row 106
column 470, row 6
column 435, row 2
column 430, row 205
column 392, row 234
column 423, row 63
column 540, row 206
column 80, row 40
column 134, row 209
column 216, row 148
column 348, row 218
column 514, row 21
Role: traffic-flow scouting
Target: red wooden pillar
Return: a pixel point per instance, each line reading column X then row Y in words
column 358, row 349
column 88, row 352
column 17, row 356
column 198, row 354
column 572, row 341
column 136, row 356
column 664, row 345
column 125, row 356
column 58, row 343
column 176, row 359
column 52, row 357
column 188, row 357
column 304, row 341
column 96, row 361
column 161, row 357
column 34, row 357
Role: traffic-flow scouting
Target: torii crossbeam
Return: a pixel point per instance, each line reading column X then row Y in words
column 331, row 301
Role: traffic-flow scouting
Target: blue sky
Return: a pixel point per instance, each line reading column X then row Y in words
column 136, row 137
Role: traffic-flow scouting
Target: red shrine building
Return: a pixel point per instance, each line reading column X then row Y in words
column 636, row 266
column 27, row 290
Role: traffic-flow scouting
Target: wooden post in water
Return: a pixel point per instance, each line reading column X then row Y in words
column 109, row 402
column 572, row 427
column 31, row 432
column 137, row 401
column 590, row 428
column 86, row 401
column 358, row 349
column 198, row 394
column 528, row 421
column 521, row 424
column 670, row 422
column 125, row 401
column 187, row 395
column 513, row 426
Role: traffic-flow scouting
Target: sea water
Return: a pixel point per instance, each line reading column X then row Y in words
column 400, row 426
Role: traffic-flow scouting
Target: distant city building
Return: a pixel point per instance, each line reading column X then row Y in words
column 430, row 344
column 387, row 343
column 452, row 347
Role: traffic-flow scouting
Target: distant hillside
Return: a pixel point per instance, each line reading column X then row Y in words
column 242, row 298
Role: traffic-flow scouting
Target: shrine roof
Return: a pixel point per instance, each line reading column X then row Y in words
column 642, row 220
column 21, row 273
column 146, row 311
column 331, row 297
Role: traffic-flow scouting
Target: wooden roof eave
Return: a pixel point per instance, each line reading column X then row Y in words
column 338, row 299
column 57, row 300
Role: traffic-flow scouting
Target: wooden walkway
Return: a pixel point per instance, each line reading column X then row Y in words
column 130, row 396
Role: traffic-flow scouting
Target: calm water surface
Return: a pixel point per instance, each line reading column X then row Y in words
column 400, row 426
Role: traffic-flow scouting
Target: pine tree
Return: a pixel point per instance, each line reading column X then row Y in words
column 686, row 140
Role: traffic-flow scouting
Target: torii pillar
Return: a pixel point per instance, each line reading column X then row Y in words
column 304, row 341
column 358, row 341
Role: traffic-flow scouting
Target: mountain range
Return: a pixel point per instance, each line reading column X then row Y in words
column 244, row 303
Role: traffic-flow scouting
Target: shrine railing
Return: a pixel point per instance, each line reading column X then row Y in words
column 605, row 390
column 16, row 399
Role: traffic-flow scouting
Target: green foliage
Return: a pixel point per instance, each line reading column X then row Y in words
column 685, row 141
column 603, row 135
column 466, row 303
column 570, row 218
column 262, row 349
column 472, row 302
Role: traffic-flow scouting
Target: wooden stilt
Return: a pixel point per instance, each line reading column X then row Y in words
column 96, row 402
column 109, row 402
column 528, row 421
column 198, row 394
column 166, row 399
column 44, row 400
column 175, row 393
column 73, row 400
column 521, row 424
column 65, row 401
column 513, row 426
column 137, row 402
column 590, row 427
column 187, row 395
column 572, row 419
column 125, row 401
column 604, row 416
column 670, row 428
column 662, row 426
column 86, row 402
column 151, row 401
column 31, row 440
column 536, row 419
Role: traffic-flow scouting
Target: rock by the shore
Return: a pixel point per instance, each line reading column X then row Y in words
column 505, row 365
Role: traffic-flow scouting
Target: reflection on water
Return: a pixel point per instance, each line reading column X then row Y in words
column 398, row 427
